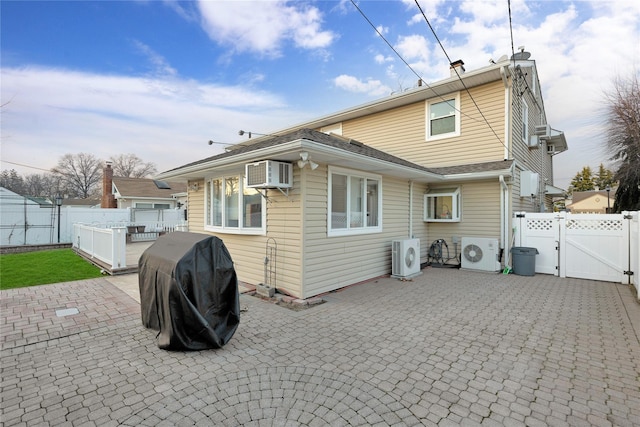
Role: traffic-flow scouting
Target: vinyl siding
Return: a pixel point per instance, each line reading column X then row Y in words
column 248, row 251
column 480, row 214
column 402, row 131
column 334, row 262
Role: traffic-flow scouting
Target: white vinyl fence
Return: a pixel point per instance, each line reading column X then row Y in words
column 589, row 246
column 108, row 243
column 105, row 244
column 23, row 222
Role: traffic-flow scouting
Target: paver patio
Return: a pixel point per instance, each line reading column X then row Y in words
column 448, row 348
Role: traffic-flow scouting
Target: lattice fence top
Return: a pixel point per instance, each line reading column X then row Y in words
column 594, row 224
column 540, row 224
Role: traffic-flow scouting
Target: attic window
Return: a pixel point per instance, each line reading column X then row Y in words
column 162, row 185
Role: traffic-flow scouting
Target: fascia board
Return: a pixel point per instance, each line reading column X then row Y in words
column 478, row 175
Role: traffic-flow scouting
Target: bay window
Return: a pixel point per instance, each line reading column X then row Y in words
column 232, row 207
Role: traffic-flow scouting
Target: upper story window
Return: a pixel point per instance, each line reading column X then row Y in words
column 525, row 122
column 443, row 117
column 442, row 205
column 355, row 202
column 231, row 207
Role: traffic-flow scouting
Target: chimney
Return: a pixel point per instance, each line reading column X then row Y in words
column 108, row 200
column 456, row 65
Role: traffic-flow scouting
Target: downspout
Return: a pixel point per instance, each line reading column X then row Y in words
column 507, row 110
column 504, row 220
column 411, row 209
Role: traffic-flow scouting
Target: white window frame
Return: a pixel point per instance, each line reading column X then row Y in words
column 456, row 98
column 525, row 122
column 349, row 231
column 430, row 213
column 241, row 228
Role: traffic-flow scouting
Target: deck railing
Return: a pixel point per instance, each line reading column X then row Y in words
column 108, row 242
column 105, row 244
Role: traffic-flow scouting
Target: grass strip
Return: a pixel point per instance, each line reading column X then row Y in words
column 44, row 267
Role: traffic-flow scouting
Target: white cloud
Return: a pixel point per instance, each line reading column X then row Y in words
column 353, row 84
column 382, row 30
column 52, row 112
column 160, row 64
column 381, row 59
column 263, row 26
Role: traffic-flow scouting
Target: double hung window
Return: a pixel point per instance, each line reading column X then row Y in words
column 443, row 117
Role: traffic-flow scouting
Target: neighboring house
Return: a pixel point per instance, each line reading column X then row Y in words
column 324, row 200
column 596, row 201
column 141, row 193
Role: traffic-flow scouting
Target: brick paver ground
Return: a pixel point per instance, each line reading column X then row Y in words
column 448, row 348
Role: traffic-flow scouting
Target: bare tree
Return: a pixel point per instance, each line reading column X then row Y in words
column 131, row 166
column 80, row 174
column 42, row 185
column 10, row 180
column 623, row 140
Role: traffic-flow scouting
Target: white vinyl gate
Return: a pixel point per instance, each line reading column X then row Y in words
column 588, row 246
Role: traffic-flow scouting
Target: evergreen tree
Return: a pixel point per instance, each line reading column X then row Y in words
column 583, row 181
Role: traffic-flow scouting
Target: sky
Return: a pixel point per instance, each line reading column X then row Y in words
column 159, row 79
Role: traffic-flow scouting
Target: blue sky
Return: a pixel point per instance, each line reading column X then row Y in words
column 161, row 78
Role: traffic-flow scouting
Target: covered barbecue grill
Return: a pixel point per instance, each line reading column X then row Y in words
column 189, row 291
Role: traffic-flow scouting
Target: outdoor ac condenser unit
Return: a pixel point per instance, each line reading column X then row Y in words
column 269, row 174
column 405, row 258
column 480, row 253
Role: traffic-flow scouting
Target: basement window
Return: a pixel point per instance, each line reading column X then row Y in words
column 442, row 205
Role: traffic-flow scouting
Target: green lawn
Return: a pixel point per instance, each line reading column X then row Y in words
column 40, row 268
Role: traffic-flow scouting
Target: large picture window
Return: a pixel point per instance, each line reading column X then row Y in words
column 232, row 207
column 443, row 117
column 355, row 203
column 442, row 205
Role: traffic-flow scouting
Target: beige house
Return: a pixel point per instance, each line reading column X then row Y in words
column 318, row 207
column 596, row 201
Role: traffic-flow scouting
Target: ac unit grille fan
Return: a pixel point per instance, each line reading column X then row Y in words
column 480, row 253
column 410, row 257
column 472, row 253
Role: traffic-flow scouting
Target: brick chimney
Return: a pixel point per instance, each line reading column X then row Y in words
column 108, row 199
column 459, row 65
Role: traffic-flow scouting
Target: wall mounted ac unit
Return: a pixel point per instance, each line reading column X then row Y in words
column 480, row 253
column 405, row 258
column 542, row 130
column 529, row 183
column 269, row 174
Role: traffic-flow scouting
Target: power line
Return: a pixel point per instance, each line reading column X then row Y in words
column 26, row 166
column 457, row 74
column 408, row 65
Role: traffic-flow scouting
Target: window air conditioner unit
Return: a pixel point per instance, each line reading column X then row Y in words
column 542, row 130
column 534, row 141
column 480, row 253
column 405, row 258
column 269, row 174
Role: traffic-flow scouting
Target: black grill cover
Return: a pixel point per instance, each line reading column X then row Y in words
column 189, row 291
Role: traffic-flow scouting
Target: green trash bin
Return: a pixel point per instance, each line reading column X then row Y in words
column 524, row 260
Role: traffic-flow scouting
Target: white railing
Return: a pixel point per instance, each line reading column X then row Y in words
column 105, row 244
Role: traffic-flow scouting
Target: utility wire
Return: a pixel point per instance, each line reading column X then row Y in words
column 26, row 166
column 457, row 74
column 408, row 65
